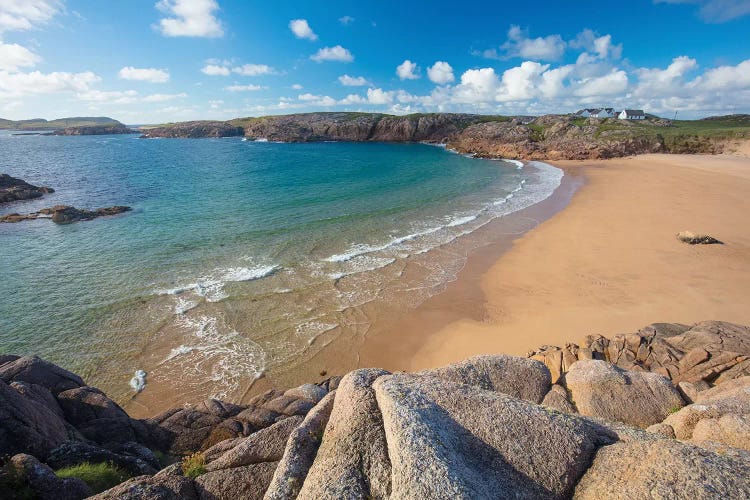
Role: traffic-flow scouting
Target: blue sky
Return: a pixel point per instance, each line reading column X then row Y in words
column 148, row 61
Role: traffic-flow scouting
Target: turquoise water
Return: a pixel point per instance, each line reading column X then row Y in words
column 238, row 256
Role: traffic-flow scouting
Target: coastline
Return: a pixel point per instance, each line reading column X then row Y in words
column 607, row 263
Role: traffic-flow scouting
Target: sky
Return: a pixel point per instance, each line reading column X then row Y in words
column 148, row 61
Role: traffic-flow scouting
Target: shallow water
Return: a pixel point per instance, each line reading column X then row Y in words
column 239, row 257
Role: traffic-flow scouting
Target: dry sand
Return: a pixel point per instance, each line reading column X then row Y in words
column 608, row 263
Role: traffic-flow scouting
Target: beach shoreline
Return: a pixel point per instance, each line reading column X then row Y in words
column 608, row 263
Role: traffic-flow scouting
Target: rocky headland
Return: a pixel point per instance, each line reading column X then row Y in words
column 65, row 214
column 14, row 189
column 194, row 130
column 95, row 130
column 660, row 413
column 547, row 137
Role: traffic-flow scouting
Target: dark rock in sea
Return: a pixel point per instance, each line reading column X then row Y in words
column 13, row 189
column 192, row 130
column 65, row 214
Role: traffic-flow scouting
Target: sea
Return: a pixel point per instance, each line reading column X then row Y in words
column 240, row 258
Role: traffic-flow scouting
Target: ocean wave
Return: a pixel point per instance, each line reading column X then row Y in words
column 311, row 330
column 358, row 250
column 366, row 264
column 518, row 164
column 212, row 287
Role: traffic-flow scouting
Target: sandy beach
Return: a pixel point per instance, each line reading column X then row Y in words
column 608, row 263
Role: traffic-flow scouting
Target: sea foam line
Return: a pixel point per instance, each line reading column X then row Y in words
column 212, row 287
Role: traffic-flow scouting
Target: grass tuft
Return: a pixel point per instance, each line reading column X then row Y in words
column 194, row 465
column 99, row 477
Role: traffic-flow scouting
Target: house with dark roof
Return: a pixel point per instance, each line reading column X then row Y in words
column 632, row 114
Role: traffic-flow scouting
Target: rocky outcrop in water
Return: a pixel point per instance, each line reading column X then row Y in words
column 14, row 189
column 573, row 423
column 95, row 130
column 65, row 214
column 196, row 129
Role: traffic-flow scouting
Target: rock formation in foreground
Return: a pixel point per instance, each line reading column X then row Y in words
column 661, row 413
column 65, row 214
column 14, row 189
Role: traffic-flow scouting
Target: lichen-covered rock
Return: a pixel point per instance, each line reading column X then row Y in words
column 353, row 460
column 663, row 469
column 300, row 451
column 43, row 482
column 600, row 389
column 518, row 377
column 158, row 487
column 74, row 453
column 248, row 482
column 447, row 440
column 557, row 398
column 266, row 445
column 34, row 370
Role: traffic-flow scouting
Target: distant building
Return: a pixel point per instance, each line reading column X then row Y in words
column 597, row 113
column 632, row 114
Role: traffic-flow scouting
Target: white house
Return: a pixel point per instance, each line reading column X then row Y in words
column 632, row 114
column 597, row 113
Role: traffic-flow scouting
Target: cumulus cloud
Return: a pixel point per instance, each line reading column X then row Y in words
column 36, row 82
column 22, row 15
column 152, row 75
column 612, row 83
column 716, row 11
column 297, row 86
column 215, row 70
column 163, row 97
column 14, row 56
column 302, row 29
column 353, row 81
column 124, row 96
column 193, row 18
column 548, row 48
column 441, row 73
column 346, row 20
column 600, row 46
column 407, row 70
column 253, row 69
column 337, row 53
column 243, row 88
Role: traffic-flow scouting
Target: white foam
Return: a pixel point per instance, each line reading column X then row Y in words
column 311, row 330
column 518, row 164
column 138, row 382
column 184, row 305
column 212, row 287
column 358, row 250
column 460, row 221
column 261, row 139
column 362, row 264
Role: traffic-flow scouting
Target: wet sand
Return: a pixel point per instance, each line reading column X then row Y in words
column 607, row 263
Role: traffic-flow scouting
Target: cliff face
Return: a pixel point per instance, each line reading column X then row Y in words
column 564, row 423
column 194, row 130
column 545, row 137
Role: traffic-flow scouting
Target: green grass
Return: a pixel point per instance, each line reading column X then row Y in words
column 194, row 465
column 99, row 477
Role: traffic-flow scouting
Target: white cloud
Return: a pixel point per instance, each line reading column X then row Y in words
column 215, row 70
column 549, row 48
column 407, row 70
column 441, row 73
column 112, row 96
column 337, row 53
column 716, row 11
column 163, row 97
column 346, row 20
column 600, row 46
column 477, row 85
column 726, row 77
column 152, row 75
column 308, row 97
column 253, row 69
column 22, row 15
column 243, row 88
column 14, row 56
column 353, row 81
column 37, row 82
column 522, row 82
column 195, row 18
column 656, row 82
column 613, row 83
column 379, row 96
column 301, row 29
